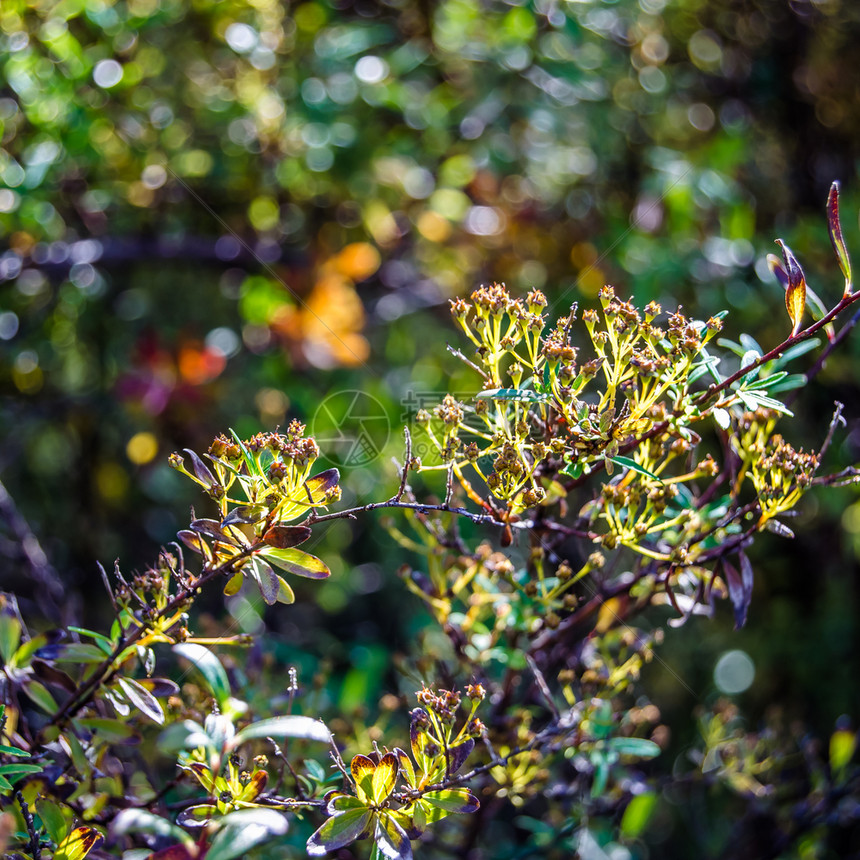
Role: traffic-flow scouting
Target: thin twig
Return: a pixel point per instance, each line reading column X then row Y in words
column 35, row 847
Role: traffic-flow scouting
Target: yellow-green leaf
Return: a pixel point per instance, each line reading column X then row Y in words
column 296, row 561
column 843, row 743
column 234, row 584
column 285, row 593
column 362, row 769
column 340, row 830
column 384, row 777
column 795, row 292
column 78, row 844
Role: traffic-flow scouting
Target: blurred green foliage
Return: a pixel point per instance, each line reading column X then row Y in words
column 216, row 213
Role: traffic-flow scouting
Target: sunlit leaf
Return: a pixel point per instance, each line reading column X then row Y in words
column 340, row 830
column 266, row 579
column 210, row 667
column 384, row 777
column 242, row 830
column 245, row 514
column 143, row 821
column 795, row 292
column 200, row 469
column 296, row 561
column 337, row 801
column 292, row 726
column 234, row 584
column 637, row 815
column 317, row 488
column 195, row 817
column 843, row 744
column 142, row 699
column 459, row 800
column 10, row 633
column 835, row 227
column 285, row 592
column 78, row 844
column 407, row 771
column 362, row 769
column 391, row 839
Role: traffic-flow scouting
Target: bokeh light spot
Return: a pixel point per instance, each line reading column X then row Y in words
column 734, row 672
column 141, row 448
column 107, row 73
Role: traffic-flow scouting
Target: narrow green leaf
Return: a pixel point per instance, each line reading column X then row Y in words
column 52, row 818
column 628, row 463
column 18, row 768
column 210, row 667
column 40, row 695
column 7, row 750
column 250, row 462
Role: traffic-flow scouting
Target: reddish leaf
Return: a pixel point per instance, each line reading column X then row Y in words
column 836, row 237
column 795, row 293
column 245, row 514
column 740, row 585
column 285, row 537
column 318, row 487
column 201, row 470
column 458, row 754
